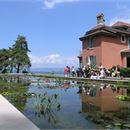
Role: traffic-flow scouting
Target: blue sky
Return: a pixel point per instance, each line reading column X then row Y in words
column 53, row 27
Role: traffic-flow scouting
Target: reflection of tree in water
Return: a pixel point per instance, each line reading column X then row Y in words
column 45, row 105
column 15, row 90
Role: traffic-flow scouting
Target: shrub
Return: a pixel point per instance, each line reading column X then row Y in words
column 125, row 72
column 123, row 97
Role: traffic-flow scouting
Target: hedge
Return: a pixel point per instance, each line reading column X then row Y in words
column 125, row 72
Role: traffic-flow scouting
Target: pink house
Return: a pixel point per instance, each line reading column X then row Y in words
column 106, row 45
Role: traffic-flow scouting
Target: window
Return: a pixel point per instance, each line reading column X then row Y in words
column 83, row 45
column 128, row 42
column 90, row 42
column 88, row 60
column 91, row 60
column 123, row 38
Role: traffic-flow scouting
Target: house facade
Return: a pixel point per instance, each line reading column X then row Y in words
column 103, row 100
column 106, row 45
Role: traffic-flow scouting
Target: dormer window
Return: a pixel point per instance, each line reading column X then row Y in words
column 123, row 38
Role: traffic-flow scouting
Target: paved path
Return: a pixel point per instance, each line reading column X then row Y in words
column 12, row 119
column 80, row 79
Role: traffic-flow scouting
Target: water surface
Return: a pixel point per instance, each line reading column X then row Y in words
column 82, row 106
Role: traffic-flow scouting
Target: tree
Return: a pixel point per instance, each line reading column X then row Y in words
column 19, row 55
column 4, row 60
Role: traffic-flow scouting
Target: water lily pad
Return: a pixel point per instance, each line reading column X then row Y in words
column 127, row 125
column 109, row 126
column 116, row 128
column 117, row 124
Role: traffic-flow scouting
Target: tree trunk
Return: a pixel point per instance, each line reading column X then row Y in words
column 18, row 69
column 11, row 69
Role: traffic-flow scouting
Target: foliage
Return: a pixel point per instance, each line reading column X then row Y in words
column 15, row 92
column 4, row 60
column 118, row 126
column 16, row 57
column 125, row 72
column 123, row 97
column 19, row 57
column 46, row 102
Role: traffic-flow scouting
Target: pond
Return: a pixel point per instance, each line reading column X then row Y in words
column 55, row 104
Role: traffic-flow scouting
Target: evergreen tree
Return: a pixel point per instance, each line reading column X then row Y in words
column 4, row 60
column 19, row 58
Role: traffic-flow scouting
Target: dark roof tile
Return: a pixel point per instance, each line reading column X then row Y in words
column 108, row 29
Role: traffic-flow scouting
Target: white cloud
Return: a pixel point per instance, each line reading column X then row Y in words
column 53, row 60
column 52, row 3
column 47, row 3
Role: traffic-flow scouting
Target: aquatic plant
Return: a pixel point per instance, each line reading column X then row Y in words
column 58, row 81
column 118, row 125
column 46, row 102
column 123, row 97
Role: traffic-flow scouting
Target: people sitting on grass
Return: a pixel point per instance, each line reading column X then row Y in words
column 87, row 71
column 115, row 71
column 102, row 73
column 98, row 74
column 94, row 73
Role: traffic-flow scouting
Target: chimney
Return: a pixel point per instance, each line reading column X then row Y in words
column 100, row 19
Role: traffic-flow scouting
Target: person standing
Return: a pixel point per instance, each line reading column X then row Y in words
column 83, row 69
column 73, row 71
column 67, row 71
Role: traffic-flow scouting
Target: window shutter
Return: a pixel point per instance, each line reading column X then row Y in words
column 87, row 60
column 128, row 42
column 94, row 60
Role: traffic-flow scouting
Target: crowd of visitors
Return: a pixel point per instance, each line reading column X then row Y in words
column 94, row 73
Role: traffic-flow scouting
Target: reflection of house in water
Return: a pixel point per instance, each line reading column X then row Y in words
column 103, row 99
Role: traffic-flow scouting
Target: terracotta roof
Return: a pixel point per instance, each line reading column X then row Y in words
column 120, row 23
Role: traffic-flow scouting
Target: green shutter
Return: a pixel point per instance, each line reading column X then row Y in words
column 129, row 42
column 87, row 59
column 94, row 60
